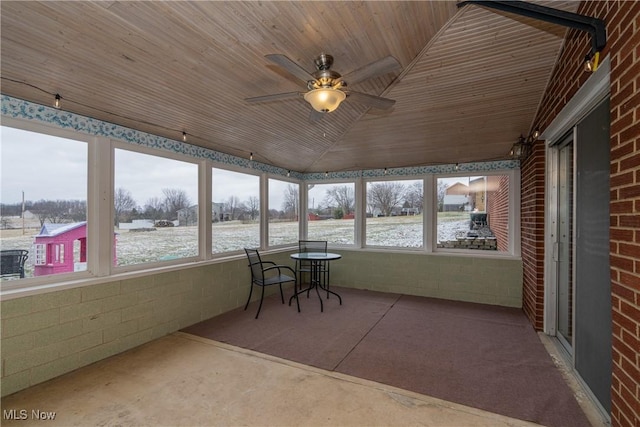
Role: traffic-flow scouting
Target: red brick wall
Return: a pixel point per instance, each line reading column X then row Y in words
column 532, row 235
column 623, row 30
column 623, row 46
column 498, row 210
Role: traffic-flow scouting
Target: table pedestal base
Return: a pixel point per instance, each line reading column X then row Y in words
column 317, row 287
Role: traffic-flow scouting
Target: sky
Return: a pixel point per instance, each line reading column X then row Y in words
column 145, row 176
column 52, row 168
column 43, row 167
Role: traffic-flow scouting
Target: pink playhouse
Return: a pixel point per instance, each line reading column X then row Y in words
column 62, row 248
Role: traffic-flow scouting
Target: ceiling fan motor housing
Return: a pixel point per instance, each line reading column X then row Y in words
column 325, row 77
column 324, row 61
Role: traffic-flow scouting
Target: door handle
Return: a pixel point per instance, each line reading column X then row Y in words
column 555, row 252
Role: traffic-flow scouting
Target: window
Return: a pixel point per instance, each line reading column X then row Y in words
column 394, row 213
column 284, row 198
column 235, row 211
column 44, row 199
column 331, row 213
column 473, row 213
column 155, row 208
column 57, row 254
column 40, row 254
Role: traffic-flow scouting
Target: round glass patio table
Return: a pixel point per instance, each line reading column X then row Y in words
column 316, row 259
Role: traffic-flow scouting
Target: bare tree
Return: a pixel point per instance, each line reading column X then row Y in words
column 342, row 197
column 253, row 207
column 414, row 197
column 123, row 204
column 40, row 211
column 76, row 210
column 385, row 195
column 441, row 191
column 188, row 217
column 275, row 214
column 153, row 209
column 4, row 223
column 232, row 206
column 174, row 200
column 59, row 211
column 291, row 201
column 14, row 209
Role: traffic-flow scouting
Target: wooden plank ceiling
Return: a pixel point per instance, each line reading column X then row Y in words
column 470, row 82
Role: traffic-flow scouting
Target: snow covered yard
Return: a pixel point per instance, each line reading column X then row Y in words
column 182, row 242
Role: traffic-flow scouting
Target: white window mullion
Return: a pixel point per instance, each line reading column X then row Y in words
column 303, row 210
column 361, row 212
column 205, row 204
column 264, row 211
column 100, row 215
column 429, row 212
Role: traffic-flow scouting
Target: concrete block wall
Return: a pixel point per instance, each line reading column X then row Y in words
column 487, row 280
column 49, row 334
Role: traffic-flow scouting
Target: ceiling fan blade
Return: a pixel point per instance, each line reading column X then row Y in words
column 274, row 97
column 376, row 68
column 315, row 116
column 371, row 100
column 290, row 66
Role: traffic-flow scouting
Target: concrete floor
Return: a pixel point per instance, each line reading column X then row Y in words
column 190, row 381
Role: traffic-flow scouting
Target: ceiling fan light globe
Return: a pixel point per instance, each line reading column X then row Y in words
column 325, row 100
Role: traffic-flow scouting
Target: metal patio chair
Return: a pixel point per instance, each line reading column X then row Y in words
column 267, row 273
column 12, row 263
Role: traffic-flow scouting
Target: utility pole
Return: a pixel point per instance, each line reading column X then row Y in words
column 23, row 212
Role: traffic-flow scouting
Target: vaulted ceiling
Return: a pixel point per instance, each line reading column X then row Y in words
column 469, row 84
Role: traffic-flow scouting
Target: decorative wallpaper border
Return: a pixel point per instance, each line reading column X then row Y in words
column 21, row 109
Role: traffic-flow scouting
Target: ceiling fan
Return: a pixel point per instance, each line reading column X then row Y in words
column 327, row 88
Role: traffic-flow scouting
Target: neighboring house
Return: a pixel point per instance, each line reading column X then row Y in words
column 410, row 211
column 217, row 212
column 62, row 248
column 477, row 194
column 455, row 203
column 376, row 212
column 457, row 189
column 456, row 198
column 189, row 216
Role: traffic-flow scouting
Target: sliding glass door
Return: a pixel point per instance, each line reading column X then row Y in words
column 564, row 244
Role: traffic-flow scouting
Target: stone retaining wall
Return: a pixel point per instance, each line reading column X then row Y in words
column 479, row 243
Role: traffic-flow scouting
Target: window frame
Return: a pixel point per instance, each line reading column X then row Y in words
column 245, row 171
column 100, row 192
column 119, row 145
column 363, row 215
column 265, row 232
column 513, row 215
column 92, row 142
column 305, row 208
